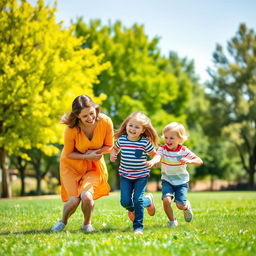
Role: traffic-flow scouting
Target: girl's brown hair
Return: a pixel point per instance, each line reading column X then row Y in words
column 149, row 131
column 83, row 101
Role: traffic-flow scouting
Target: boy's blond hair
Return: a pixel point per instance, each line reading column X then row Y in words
column 178, row 128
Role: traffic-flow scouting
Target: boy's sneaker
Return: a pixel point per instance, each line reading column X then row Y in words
column 58, row 227
column 138, row 232
column 88, row 228
column 172, row 224
column 131, row 215
column 151, row 209
column 188, row 214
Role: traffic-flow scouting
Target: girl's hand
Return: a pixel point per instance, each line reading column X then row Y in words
column 113, row 157
column 149, row 163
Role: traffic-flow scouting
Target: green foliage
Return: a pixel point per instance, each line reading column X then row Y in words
column 224, row 224
column 42, row 69
column 233, row 96
column 138, row 78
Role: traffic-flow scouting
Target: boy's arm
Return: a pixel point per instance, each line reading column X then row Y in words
column 156, row 158
column 197, row 161
column 113, row 153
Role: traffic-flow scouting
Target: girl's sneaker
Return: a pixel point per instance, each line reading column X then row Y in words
column 138, row 232
column 58, row 227
column 131, row 216
column 151, row 209
column 188, row 214
column 172, row 224
column 88, row 228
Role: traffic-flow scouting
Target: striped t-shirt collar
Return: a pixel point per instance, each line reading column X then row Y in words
column 175, row 150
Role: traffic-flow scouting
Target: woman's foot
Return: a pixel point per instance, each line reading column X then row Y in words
column 58, row 227
column 88, row 228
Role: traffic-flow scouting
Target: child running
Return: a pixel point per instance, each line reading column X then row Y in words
column 174, row 157
column 136, row 139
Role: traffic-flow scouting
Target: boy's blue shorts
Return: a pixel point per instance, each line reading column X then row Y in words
column 179, row 192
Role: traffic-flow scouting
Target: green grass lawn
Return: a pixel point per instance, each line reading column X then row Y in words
column 224, row 224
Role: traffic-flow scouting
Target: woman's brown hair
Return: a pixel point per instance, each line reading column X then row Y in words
column 83, row 101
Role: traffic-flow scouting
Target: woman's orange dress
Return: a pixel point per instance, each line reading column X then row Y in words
column 79, row 175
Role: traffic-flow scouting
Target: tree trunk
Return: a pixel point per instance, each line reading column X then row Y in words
column 22, row 179
column 38, row 185
column 212, row 183
column 252, row 164
column 251, row 178
column 6, row 188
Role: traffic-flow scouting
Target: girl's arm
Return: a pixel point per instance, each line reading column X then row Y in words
column 156, row 158
column 113, row 154
column 197, row 161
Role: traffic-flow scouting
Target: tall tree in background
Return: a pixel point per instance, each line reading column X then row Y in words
column 137, row 78
column 42, row 69
column 233, row 96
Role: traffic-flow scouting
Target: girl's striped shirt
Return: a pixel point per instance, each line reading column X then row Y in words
column 133, row 157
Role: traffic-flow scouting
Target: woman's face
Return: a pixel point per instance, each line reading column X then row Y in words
column 88, row 116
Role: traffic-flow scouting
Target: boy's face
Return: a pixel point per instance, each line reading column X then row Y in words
column 171, row 139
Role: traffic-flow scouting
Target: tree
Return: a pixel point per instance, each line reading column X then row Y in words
column 233, row 96
column 137, row 78
column 42, row 69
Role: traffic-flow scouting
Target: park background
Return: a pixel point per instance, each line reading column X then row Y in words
column 187, row 61
column 45, row 62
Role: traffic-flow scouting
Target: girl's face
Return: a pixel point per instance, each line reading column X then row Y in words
column 171, row 139
column 134, row 129
column 88, row 116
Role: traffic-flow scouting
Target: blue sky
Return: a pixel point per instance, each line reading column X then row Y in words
column 190, row 27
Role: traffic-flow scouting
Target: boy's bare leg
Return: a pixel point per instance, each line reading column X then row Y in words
column 167, row 208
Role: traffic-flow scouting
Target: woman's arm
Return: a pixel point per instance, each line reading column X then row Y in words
column 92, row 155
column 104, row 150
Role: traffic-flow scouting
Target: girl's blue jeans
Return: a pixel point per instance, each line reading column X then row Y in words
column 132, row 198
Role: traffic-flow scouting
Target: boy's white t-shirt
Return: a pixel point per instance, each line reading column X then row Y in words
column 172, row 170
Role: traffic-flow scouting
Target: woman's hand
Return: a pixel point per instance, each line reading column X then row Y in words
column 92, row 154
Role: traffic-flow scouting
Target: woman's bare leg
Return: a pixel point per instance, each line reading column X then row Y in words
column 69, row 208
column 87, row 206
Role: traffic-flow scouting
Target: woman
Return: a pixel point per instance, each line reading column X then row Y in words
column 83, row 172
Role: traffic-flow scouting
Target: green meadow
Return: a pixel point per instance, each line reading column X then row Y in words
column 224, row 224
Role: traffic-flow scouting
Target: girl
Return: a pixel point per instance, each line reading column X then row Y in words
column 135, row 139
column 174, row 157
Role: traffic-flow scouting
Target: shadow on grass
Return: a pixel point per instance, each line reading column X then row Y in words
column 98, row 231
column 48, row 231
